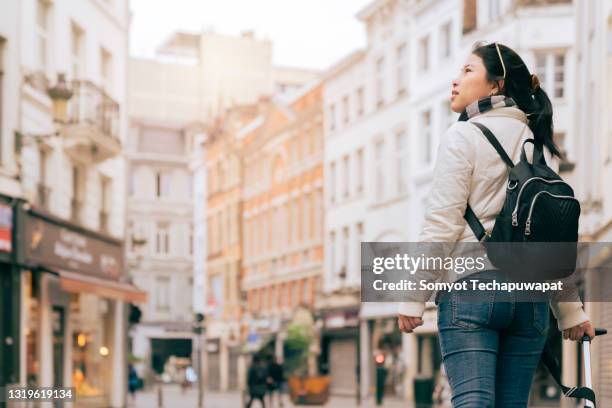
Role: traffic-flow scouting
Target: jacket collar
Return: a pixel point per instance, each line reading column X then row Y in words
column 507, row 112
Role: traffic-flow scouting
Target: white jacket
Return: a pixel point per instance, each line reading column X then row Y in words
column 468, row 169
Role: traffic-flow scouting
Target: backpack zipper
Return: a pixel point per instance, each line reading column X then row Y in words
column 518, row 198
column 528, row 222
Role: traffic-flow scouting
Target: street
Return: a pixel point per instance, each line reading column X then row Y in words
column 174, row 398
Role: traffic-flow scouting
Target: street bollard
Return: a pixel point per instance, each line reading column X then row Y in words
column 160, row 396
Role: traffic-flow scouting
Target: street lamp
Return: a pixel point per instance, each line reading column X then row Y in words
column 198, row 330
column 60, row 94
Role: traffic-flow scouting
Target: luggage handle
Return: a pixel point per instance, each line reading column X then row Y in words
column 586, row 392
column 598, row 332
column 586, row 356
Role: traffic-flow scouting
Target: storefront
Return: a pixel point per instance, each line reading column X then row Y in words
column 340, row 350
column 74, row 299
column 9, row 295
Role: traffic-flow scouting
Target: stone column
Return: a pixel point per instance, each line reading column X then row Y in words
column 410, row 358
column 119, row 358
column 45, row 334
column 364, row 360
column 224, row 364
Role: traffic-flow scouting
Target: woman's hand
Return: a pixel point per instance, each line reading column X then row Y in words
column 408, row 323
column 577, row 332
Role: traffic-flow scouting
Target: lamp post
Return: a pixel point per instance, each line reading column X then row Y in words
column 198, row 330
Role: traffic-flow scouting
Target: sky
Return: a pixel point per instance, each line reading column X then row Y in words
column 312, row 34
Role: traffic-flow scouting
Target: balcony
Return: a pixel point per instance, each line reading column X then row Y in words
column 91, row 129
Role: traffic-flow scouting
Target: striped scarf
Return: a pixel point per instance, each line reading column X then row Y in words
column 485, row 104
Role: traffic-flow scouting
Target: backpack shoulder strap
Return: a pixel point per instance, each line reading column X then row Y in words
column 469, row 216
column 495, row 143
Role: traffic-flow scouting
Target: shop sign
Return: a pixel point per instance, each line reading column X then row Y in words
column 6, row 228
column 57, row 246
column 340, row 319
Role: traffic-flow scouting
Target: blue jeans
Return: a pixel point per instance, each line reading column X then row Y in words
column 490, row 348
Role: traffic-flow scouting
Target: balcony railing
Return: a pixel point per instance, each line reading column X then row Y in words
column 90, row 105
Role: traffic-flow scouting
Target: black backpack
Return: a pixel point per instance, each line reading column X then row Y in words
column 535, row 235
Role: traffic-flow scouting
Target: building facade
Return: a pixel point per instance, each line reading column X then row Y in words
column 224, row 250
column 282, row 218
column 159, row 241
column 63, row 130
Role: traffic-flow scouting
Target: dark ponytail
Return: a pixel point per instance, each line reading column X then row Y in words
column 523, row 88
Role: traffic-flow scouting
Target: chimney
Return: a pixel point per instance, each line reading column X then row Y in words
column 469, row 15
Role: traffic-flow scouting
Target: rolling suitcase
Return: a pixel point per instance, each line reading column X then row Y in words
column 586, row 392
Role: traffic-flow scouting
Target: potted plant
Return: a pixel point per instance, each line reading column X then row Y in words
column 305, row 386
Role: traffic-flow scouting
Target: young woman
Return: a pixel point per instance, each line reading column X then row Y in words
column 490, row 349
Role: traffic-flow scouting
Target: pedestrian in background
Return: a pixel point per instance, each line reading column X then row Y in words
column 257, row 380
column 276, row 381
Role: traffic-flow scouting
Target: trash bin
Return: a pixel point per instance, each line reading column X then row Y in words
column 423, row 392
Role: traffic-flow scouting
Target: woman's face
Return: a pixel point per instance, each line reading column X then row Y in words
column 471, row 84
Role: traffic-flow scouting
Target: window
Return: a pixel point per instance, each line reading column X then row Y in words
column 426, row 142
column 294, row 294
column 42, row 35
column 332, row 253
column 162, row 184
column 306, row 288
column 318, row 214
column 358, row 239
column 380, row 82
column 106, row 70
column 345, row 176
column 559, row 76
column 446, row 40
column 345, row 110
column 359, row 178
column 332, row 182
column 191, row 238
column 2, row 47
column 78, row 182
column 43, row 187
column 163, row 293
column 561, row 142
column 105, row 202
column 379, row 154
column 332, row 117
column 78, row 52
column 360, row 102
column 424, row 53
column 295, row 221
column 162, row 239
column 401, row 149
column 550, row 68
column 402, row 69
column 345, row 249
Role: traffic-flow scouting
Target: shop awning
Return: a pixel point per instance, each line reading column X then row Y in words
column 78, row 283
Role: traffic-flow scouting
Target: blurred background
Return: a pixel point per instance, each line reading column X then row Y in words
column 184, row 185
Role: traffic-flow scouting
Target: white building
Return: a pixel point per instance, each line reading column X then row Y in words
column 160, row 239
column 593, row 130
column 64, row 160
